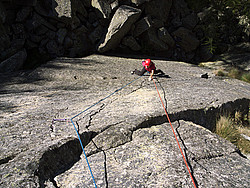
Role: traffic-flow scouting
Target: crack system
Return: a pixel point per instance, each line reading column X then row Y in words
column 152, row 121
column 204, row 117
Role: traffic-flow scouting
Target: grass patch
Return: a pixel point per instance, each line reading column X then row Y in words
column 234, row 73
column 236, row 130
column 246, row 77
column 220, row 73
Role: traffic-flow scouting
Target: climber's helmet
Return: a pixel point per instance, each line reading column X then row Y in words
column 147, row 62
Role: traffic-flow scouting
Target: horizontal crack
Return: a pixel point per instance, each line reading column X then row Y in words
column 61, row 157
column 210, row 156
column 55, row 162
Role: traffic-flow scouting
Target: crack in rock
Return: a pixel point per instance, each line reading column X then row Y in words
column 7, row 159
column 92, row 115
column 49, row 166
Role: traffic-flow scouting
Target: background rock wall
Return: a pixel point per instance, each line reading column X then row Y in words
column 38, row 30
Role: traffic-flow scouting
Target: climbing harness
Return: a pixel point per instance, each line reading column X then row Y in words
column 78, row 135
column 174, row 134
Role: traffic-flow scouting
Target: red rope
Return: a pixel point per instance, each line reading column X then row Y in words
column 174, row 134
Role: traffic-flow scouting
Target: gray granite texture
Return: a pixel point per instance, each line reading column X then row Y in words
column 126, row 135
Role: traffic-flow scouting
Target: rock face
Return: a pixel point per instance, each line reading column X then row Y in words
column 120, row 25
column 75, row 28
column 125, row 135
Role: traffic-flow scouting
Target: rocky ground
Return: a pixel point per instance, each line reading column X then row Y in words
column 127, row 138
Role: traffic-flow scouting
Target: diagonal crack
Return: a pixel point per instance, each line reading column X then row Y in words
column 7, row 159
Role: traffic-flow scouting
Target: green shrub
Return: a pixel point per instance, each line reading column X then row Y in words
column 234, row 73
column 221, row 21
column 232, row 129
column 226, row 129
column 220, row 73
column 246, row 77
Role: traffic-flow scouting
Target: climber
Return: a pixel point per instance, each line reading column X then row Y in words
column 149, row 66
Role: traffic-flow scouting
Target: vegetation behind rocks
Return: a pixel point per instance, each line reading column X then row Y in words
column 225, row 23
column 34, row 31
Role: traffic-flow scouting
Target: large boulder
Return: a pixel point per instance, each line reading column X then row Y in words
column 153, row 42
column 158, row 9
column 166, row 37
column 120, row 25
column 14, row 63
column 142, row 25
column 103, row 6
column 186, row 39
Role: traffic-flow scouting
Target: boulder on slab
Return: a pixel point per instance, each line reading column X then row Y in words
column 120, row 25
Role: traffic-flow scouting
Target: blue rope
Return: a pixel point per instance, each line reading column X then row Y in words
column 88, row 109
column 84, row 153
column 105, row 97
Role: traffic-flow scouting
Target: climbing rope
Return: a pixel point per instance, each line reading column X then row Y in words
column 106, row 97
column 78, row 135
column 174, row 134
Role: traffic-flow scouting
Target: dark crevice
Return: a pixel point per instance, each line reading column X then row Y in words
column 6, row 159
column 54, row 183
column 207, row 117
column 78, row 127
column 104, row 163
column 59, row 158
column 239, row 153
column 207, row 157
